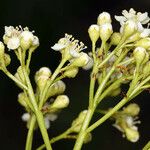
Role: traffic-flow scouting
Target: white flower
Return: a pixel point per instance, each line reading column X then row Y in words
column 139, row 18
column 70, row 44
column 18, row 37
column 103, row 18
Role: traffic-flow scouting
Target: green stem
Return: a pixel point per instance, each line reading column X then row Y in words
column 29, row 59
column 14, row 79
column 30, row 133
column 37, row 112
column 43, row 94
column 147, row 146
column 82, row 133
column 108, row 115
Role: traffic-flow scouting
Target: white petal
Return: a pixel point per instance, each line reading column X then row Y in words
column 143, row 18
column 58, row 47
column 74, row 53
column 13, row 43
column 52, row 117
column 89, row 64
column 145, row 33
column 25, row 117
column 120, row 19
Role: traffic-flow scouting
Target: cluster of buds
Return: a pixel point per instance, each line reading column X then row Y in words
column 126, row 120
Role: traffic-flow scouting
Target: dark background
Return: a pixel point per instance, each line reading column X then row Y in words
column 51, row 19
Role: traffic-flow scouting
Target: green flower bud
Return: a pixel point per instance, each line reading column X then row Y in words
column 22, row 98
column 134, row 37
column 7, row 59
column 132, row 134
column 93, row 32
column 87, row 138
column 103, row 18
column 42, row 76
column 132, row 109
column 115, row 92
column 146, row 69
column 105, row 31
column 115, row 38
column 19, row 74
column 129, row 28
column 62, row 101
column 77, row 123
column 56, row 88
column 71, row 73
column 139, row 55
column 80, row 61
column 26, row 39
column 2, row 50
column 145, row 43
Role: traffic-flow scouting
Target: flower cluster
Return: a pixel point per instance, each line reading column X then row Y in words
column 18, row 37
column 126, row 120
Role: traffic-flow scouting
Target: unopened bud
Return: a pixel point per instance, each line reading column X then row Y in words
column 7, row 59
column 2, row 47
column 22, row 98
column 71, row 73
column 89, row 65
column 139, row 54
column 77, row 123
column 103, row 18
column 145, row 43
column 132, row 109
column 146, row 69
column 115, row 38
column 93, row 32
column 80, row 61
column 62, row 101
column 115, row 92
column 132, row 134
column 87, row 138
column 56, row 88
column 42, row 76
column 105, row 31
column 26, row 40
column 129, row 28
column 13, row 43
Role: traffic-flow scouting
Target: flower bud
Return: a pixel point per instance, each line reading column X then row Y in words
column 132, row 134
column 7, row 59
column 13, row 43
column 139, row 54
column 132, row 109
column 87, row 138
column 2, row 48
column 115, row 92
column 129, row 28
column 20, row 74
column 89, row 65
column 42, row 76
column 146, row 69
column 80, row 61
column 115, row 38
column 71, row 73
column 62, row 101
column 35, row 43
column 26, row 117
column 103, row 18
column 77, row 123
column 26, row 39
column 145, row 43
column 56, row 88
column 105, row 31
column 22, row 98
column 93, row 32
column 134, row 37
